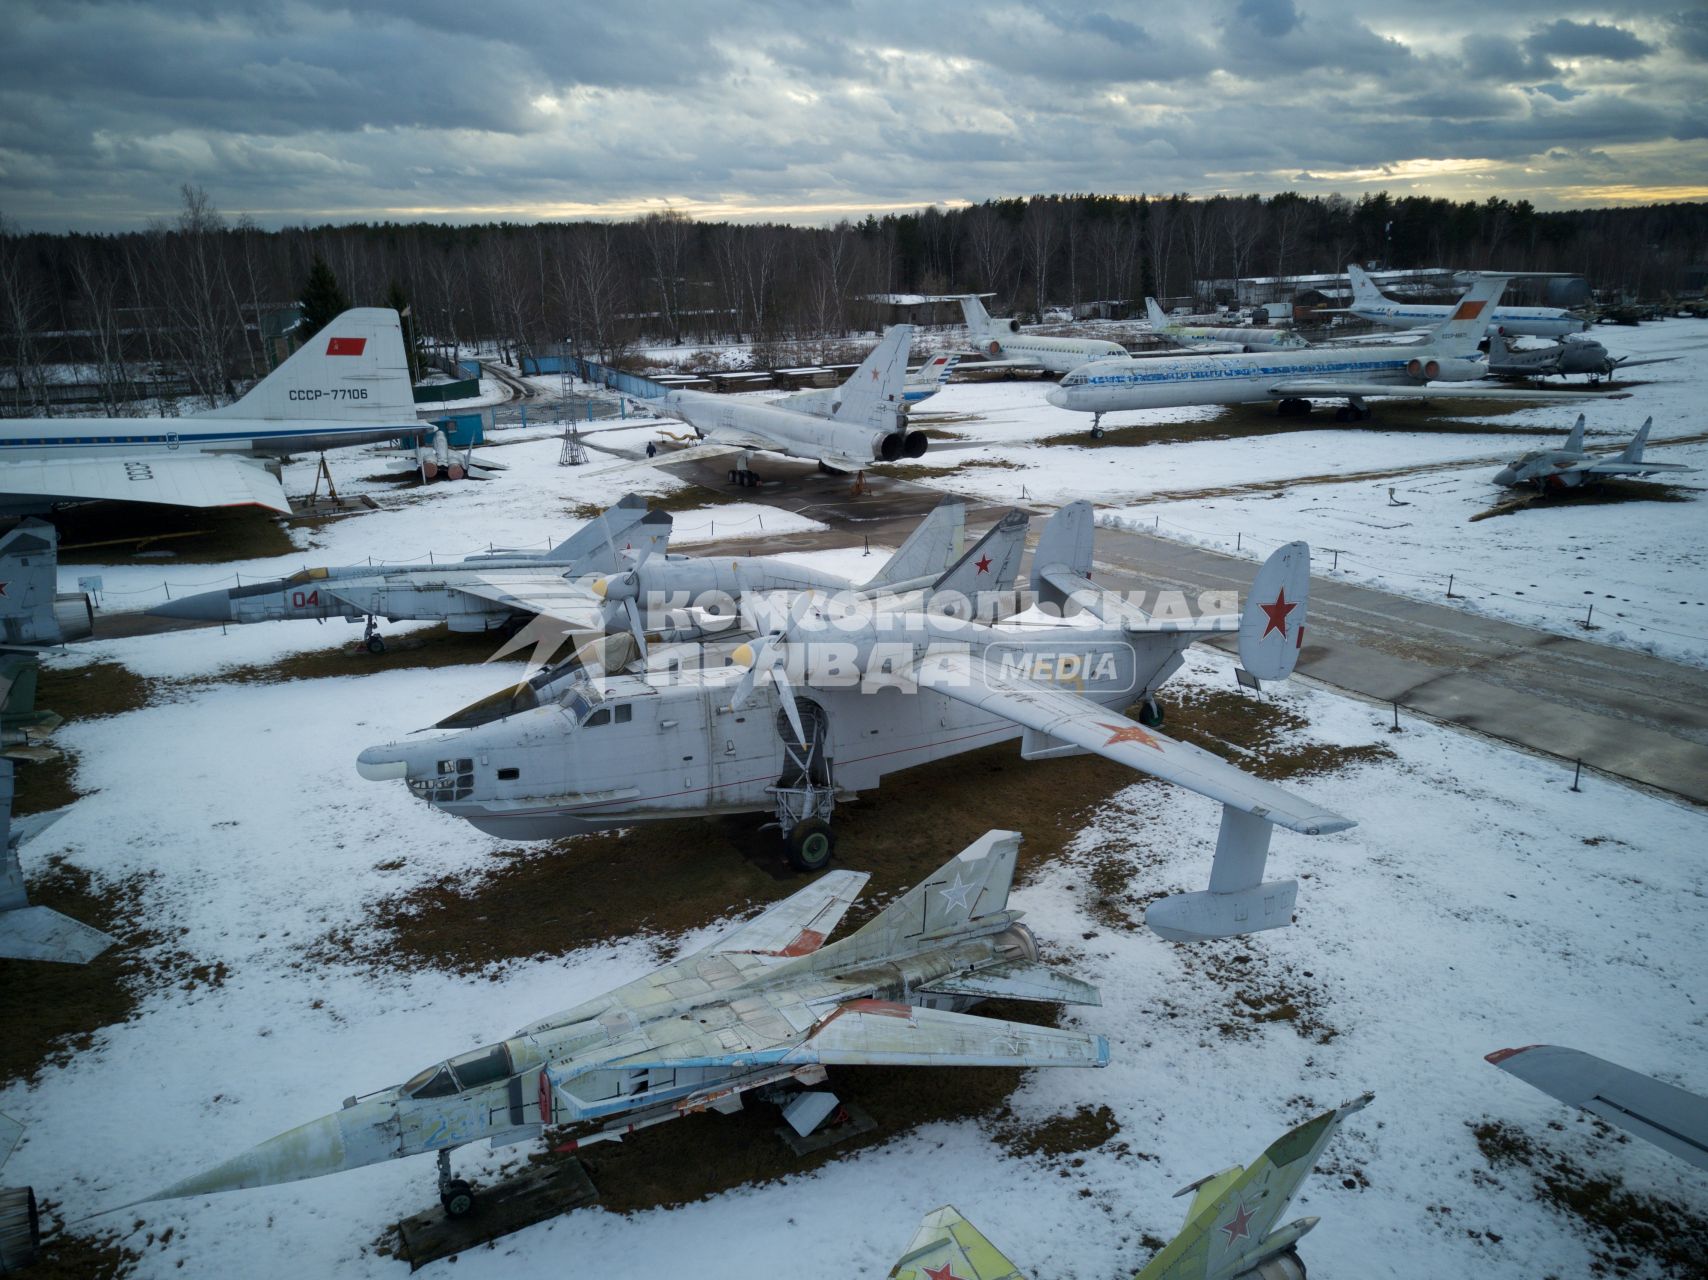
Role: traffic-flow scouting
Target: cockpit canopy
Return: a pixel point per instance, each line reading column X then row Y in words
column 464, row 1072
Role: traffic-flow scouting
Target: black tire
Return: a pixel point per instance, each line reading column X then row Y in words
column 732, row 476
column 1097, row 433
column 1151, row 714
column 376, row 644
column 811, row 845
column 1343, row 414
column 457, row 1198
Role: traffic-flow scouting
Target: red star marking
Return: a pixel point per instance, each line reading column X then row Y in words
column 1236, row 1226
column 874, row 375
column 983, row 563
column 944, row 1272
column 1128, row 733
column 1277, row 613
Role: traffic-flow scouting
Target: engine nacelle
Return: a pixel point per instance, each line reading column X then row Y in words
column 889, row 446
column 1448, row 370
column 1016, row 944
column 1283, row 1266
column 1013, row 325
column 915, row 444
column 73, row 614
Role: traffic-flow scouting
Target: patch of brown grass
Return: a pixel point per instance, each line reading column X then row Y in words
column 67, row 1255
column 1605, row 491
column 94, row 689
column 1625, row 1228
column 1084, row 1130
column 690, row 498
column 434, row 647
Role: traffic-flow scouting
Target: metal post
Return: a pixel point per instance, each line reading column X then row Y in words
column 1576, row 774
column 1237, row 539
column 1589, row 615
column 1396, row 728
column 1336, row 564
column 1449, row 586
column 868, row 550
column 167, row 588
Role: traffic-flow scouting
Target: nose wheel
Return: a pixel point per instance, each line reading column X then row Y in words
column 455, row 1194
column 1097, row 426
column 372, row 640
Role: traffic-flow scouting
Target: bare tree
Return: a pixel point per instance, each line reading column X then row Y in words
column 1040, row 233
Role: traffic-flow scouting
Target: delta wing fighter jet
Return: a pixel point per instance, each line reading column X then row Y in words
column 768, row 1007
column 1579, row 355
column 1220, row 338
column 1230, row 1231
column 1551, row 470
column 1443, row 367
column 348, row 385
column 880, row 692
column 479, row 593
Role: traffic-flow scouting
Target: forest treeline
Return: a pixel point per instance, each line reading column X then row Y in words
column 184, row 298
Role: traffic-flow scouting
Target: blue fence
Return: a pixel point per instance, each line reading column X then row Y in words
column 536, row 365
column 470, row 368
column 628, row 383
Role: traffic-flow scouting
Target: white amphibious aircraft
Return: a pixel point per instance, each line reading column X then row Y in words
column 348, row 385
column 1370, row 303
column 1293, row 378
column 1004, row 346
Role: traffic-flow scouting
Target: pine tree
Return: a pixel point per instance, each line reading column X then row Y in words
column 322, row 300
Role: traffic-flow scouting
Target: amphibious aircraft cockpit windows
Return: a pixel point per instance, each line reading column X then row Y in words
column 454, row 780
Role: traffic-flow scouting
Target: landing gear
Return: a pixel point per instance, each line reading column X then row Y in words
column 1097, row 426
column 1351, row 413
column 1293, row 407
column 1150, row 714
column 455, row 1194
column 744, row 477
column 810, row 845
column 372, row 640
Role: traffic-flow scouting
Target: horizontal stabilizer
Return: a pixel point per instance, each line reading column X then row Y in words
column 40, row 933
column 799, row 924
column 1017, row 982
column 947, row 1245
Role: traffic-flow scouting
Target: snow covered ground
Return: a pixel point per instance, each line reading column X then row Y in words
column 1518, row 913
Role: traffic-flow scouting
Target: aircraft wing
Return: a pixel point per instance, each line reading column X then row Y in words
column 549, row 594
column 1614, row 467
column 800, row 923
column 191, row 480
column 1428, row 391
column 1063, row 714
column 947, row 1245
column 882, row 1033
column 1674, row 1119
column 1007, row 362
column 41, row 933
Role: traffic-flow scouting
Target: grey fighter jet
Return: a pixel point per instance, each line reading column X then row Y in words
column 1551, row 470
column 883, row 691
column 479, row 593
column 1575, row 355
column 768, row 1007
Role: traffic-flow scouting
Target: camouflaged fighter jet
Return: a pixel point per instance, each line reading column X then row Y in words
column 1551, row 470
column 880, row 692
column 767, row 1007
column 479, row 593
column 1230, row 1231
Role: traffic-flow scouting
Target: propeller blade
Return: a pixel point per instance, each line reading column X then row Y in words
column 786, row 693
column 636, row 629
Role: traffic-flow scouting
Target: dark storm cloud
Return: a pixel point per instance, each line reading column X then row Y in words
column 301, row 109
column 1567, row 39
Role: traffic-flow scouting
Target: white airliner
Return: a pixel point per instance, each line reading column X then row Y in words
column 1219, row 337
column 348, row 385
column 1005, row 347
column 1370, row 303
column 1295, row 377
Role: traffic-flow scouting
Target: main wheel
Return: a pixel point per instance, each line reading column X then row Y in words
column 1150, row 714
column 1097, row 433
column 458, row 1198
column 1344, row 413
column 810, row 845
column 376, row 644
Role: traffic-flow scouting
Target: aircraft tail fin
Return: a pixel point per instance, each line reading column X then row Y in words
column 977, row 318
column 33, row 610
column 598, row 546
column 353, row 370
column 1064, row 548
column 592, row 535
column 989, row 565
column 1574, row 437
column 934, row 372
column 1461, row 332
column 972, row 885
column 1633, row 452
column 946, row 1244
column 1272, row 625
column 1364, row 290
column 1231, row 1225
column 1498, row 350
column 1159, row 318
column 935, row 543
column 35, row 933
column 873, row 396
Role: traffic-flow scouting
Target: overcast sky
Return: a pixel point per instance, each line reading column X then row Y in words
column 309, row 110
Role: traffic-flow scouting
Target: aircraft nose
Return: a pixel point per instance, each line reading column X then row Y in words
column 344, row 1140
column 1506, row 475
column 1058, row 396
column 383, row 764
column 208, row 606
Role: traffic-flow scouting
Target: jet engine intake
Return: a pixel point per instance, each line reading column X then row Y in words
column 76, row 619
column 1448, row 370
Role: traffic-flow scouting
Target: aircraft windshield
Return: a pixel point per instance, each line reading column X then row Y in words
column 435, row 1082
column 306, row 575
